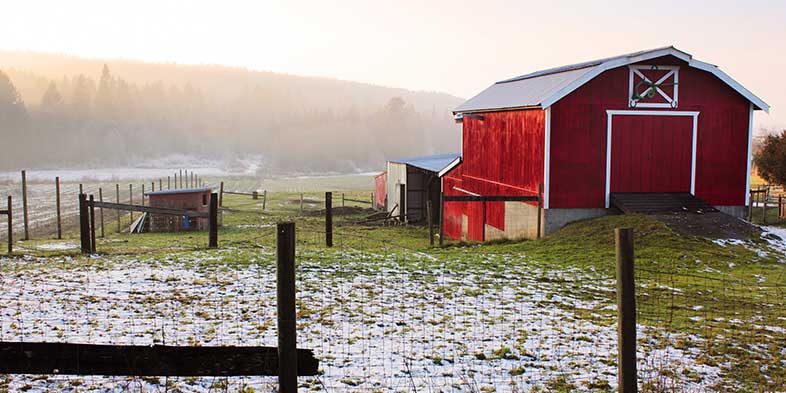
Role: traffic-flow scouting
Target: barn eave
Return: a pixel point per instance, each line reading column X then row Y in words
column 540, row 90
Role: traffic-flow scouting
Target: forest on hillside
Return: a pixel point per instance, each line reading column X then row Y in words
column 59, row 111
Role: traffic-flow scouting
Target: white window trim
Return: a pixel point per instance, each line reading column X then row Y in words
column 610, row 116
column 671, row 102
column 546, row 158
column 749, row 157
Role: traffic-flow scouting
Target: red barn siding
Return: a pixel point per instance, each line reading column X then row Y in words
column 380, row 182
column 452, row 211
column 502, row 155
column 578, row 137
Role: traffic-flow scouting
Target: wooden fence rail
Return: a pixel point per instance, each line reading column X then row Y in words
column 492, row 198
column 152, row 210
column 146, row 360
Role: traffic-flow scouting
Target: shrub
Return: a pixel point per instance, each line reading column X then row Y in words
column 770, row 160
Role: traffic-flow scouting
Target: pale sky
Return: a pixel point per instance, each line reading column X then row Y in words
column 458, row 47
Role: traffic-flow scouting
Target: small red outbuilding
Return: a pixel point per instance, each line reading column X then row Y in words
column 195, row 199
column 655, row 121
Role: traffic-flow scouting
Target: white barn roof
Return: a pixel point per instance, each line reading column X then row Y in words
column 440, row 163
column 543, row 88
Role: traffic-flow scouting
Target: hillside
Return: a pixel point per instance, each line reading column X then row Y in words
column 84, row 111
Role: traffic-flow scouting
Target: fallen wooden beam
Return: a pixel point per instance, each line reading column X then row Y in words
column 357, row 201
column 148, row 209
column 154, row 360
column 239, row 193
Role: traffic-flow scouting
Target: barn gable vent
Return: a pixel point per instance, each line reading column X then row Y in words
column 653, row 86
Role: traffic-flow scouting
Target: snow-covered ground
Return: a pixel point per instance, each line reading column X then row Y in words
column 376, row 322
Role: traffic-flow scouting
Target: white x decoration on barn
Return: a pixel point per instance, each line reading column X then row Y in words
column 644, row 93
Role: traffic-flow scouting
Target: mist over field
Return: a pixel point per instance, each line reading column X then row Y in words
column 65, row 112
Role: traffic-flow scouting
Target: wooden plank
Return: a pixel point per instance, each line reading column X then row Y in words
column 146, row 360
column 240, row 193
column 358, row 201
column 149, row 209
column 489, row 198
column 3, row 211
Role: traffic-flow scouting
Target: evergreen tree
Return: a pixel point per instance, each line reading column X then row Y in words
column 105, row 96
column 13, row 123
column 12, row 107
column 52, row 101
column 83, row 89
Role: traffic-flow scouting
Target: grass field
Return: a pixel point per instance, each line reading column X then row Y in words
column 386, row 312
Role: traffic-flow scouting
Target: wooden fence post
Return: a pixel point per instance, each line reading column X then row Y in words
column 213, row 223
column 441, row 217
column 92, row 225
column 117, row 199
column 57, row 208
column 181, row 179
column 301, row 203
column 24, row 205
column 264, row 199
column 153, row 186
column 168, row 183
column 143, row 194
column 329, row 219
column 764, row 205
column 160, row 184
column 81, row 189
column 750, row 205
column 101, row 211
column 540, row 209
column 626, row 311
column 10, row 227
column 221, row 194
column 254, row 195
column 343, row 200
column 430, row 221
column 285, row 291
column 131, row 201
column 84, row 225
column 373, row 205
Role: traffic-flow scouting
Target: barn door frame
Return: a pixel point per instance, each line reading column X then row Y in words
column 610, row 116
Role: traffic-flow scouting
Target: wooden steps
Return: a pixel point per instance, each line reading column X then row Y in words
column 658, row 203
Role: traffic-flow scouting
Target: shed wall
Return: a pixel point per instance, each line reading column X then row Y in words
column 397, row 175
column 502, row 155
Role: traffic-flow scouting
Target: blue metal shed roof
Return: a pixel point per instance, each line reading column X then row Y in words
column 180, row 191
column 436, row 163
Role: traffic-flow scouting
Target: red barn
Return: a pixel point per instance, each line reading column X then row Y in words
column 656, row 121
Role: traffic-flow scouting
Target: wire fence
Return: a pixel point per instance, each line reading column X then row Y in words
column 382, row 315
column 727, row 326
